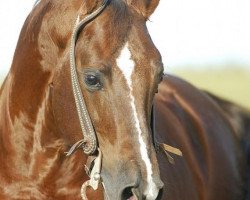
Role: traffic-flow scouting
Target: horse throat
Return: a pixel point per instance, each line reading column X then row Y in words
column 33, row 151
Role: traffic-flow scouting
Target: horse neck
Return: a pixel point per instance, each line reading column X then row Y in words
column 28, row 130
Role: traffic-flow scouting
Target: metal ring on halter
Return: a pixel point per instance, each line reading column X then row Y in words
column 94, row 175
column 89, row 142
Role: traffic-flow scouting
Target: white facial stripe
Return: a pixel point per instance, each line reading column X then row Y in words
column 126, row 65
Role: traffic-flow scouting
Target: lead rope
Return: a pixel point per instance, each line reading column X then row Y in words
column 95, row 176
column 89, row 141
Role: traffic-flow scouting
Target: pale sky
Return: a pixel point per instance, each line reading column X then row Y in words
column 202, row 32
column 187, row 32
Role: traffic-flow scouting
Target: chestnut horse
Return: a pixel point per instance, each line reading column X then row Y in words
column 84, row 75
column 213, row 165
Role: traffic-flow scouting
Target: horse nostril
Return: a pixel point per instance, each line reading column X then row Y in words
column 128, row 194
column 159, row 197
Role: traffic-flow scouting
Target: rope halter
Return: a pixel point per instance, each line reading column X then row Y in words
column 89, row 141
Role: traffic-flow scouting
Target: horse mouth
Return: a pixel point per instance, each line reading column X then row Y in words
column 132, row 198
column 129, row 194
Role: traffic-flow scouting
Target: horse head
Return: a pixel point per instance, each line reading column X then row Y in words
column 118, row 69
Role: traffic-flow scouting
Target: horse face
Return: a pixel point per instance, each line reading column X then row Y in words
column 119, row 70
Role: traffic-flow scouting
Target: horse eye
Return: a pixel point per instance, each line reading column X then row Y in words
column 160, row 77
column 92, row 80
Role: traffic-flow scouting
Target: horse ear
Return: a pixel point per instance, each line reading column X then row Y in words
column 146, row 7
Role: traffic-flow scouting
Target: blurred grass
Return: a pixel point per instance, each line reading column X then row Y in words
column 232, row 84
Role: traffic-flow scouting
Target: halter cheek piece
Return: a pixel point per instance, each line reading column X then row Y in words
column 89, row 141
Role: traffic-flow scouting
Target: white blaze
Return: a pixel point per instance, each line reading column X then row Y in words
column 127, row 65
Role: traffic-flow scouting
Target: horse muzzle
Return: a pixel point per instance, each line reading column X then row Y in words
column 130, row 185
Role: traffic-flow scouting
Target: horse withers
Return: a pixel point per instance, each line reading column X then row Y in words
column 84, row 75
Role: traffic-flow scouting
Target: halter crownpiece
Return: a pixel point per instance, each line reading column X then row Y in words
column 89, row 141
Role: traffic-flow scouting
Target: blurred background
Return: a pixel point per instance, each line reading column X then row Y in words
column 206, row 42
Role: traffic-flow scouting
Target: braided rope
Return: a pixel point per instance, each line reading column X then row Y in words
column 83, row 190
column 89, row 136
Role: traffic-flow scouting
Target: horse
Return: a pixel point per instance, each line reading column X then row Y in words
column 84, row 76
column 67, row 48
column 239, row 118
column 213, row 165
